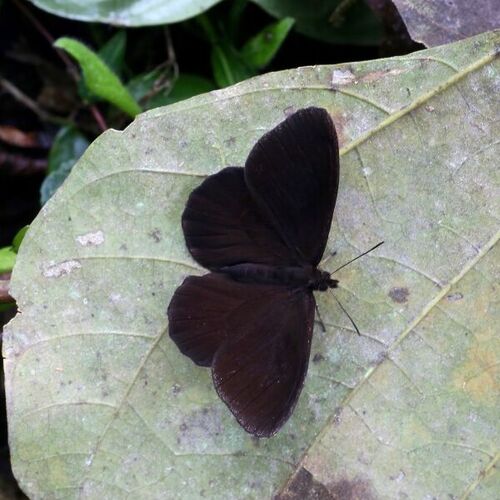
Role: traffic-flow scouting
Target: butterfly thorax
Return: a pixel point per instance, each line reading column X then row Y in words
column 293, row 276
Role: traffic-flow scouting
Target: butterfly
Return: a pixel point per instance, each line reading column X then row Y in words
column 261, row 231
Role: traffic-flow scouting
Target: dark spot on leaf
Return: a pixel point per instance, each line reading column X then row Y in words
column 355, row 489
column 230, row 142
column 304, row 487
column 69, row 218
column 318, row 357
column 123, row 247
column 337, row 413
column 399, row 294
column 155, row 235
column 453, row 297
column 176, row 388
column 381, row 356
column 183, row 427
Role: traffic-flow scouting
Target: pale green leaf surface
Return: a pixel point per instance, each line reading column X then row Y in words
column 127, row 12
column 102, row 405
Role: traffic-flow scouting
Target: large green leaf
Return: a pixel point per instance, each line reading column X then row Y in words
column 335, row 21
column 101, row 404
column 126, row 12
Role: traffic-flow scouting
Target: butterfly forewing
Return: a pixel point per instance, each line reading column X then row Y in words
column 292, row 173
column 259, row 370
column 222, row 225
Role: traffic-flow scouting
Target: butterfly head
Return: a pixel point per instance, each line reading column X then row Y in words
column 322, row 281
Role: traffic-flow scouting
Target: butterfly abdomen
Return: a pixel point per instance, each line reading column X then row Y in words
column 293, row 276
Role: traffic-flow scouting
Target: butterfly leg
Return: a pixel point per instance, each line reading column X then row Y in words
column 320, row 320
column 327, row 258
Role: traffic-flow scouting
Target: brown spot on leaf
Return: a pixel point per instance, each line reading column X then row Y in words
column 355, row 489
column 155, row 235
column 399, row 294
column 340, row 121
column 478, row 375
column 304, row 486
column 453, row 297
column 373, row 76
column 318, row 357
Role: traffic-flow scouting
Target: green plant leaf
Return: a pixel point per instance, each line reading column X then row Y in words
column 69, row 144
column 129, row 13
column 101, row 404
column 232, row 26
column 141, row 85
column 228, row 65
column 18, row 238
column 260, row 50
column 112, row 52
column 360, row 26
column 186, row 86
column 99, row 79
column 7, row 259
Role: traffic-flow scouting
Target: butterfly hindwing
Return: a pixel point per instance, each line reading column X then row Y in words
column 259, row 369
column 292, row 173
column 222, row 225
column 199, row 312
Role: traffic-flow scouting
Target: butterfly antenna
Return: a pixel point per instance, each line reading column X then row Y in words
column 347, row 314
column 356, row 258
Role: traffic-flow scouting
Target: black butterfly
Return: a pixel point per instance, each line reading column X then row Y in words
column 261, row 230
